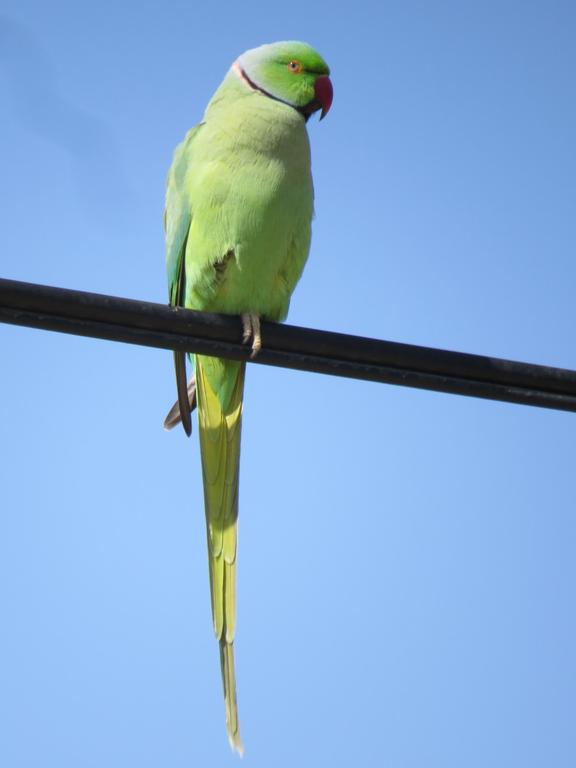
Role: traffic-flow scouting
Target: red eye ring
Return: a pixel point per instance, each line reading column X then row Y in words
column 295, row 66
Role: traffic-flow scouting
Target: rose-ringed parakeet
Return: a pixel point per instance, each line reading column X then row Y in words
column 239, row 204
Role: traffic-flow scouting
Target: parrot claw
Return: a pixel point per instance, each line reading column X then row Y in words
column 251, row 330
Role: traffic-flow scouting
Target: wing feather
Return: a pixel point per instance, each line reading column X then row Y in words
column 177, row 221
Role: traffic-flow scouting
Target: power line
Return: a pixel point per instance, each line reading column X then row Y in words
column 357, row 357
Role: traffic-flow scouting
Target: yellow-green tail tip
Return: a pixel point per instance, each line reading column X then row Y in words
column 229, row 681
column 236, row 743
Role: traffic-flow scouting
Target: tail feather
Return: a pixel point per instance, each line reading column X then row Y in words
column 229, row 683
column 220, row 386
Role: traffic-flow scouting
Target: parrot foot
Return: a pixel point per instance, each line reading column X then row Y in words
column 174, row 417
column 251, row 330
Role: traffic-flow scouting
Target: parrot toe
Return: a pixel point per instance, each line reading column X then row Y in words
column 251, row 330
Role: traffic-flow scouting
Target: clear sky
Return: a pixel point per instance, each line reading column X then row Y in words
column 407, row 574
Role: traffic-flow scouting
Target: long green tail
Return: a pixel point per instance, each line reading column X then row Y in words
column 220, row 386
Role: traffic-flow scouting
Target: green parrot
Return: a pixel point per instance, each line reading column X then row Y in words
column 239, row 205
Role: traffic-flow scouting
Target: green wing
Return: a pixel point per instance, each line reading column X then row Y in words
column 177, row 220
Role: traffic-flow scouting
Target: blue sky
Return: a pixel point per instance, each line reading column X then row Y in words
column 406, row 567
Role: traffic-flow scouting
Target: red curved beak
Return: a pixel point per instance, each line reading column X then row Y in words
column 323, row 94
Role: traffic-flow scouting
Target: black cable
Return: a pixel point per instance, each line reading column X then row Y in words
column 157, row 325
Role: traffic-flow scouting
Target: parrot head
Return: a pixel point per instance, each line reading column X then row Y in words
column 290, row 72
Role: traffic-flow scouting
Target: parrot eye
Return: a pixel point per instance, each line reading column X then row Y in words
column 295, row 66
